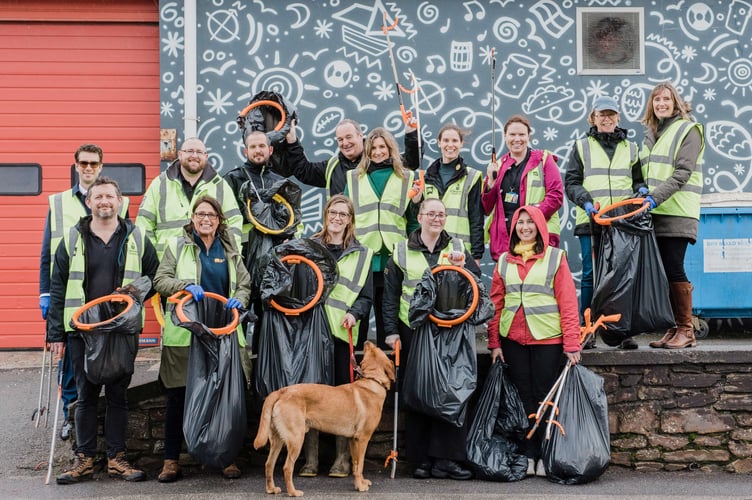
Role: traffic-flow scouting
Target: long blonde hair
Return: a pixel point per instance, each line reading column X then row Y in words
column 349, row 237
column 681, row 106
column 394, row 154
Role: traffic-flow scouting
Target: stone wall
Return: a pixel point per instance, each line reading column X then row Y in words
column 668, row 410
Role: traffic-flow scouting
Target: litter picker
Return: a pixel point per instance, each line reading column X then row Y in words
column 407, row 116
column 41, row 409
column 393, row 454
column 53, row 440
column 493, row 110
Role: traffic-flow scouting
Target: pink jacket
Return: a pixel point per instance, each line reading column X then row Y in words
column 492, row 203
column 564, row 289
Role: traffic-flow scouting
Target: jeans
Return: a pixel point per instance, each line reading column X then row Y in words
column 586, row 282
column 69, row 392
column 116, row 407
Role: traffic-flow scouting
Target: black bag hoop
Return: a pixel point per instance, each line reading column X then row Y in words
column 446, row 323
column 115, row 297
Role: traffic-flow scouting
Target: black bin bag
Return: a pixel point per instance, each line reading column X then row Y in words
column 268, row 118
column 441, row 371
column 499, row 417
column 214, row 416
column 630, row 279
column 583, row 453
column 295, row 348
column 273, row 222
column 110, row 349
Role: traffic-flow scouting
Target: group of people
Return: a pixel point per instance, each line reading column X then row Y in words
column 385, row 225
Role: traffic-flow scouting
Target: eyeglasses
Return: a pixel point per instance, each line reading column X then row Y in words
column 191, row 152
column 205, row 215
column 607, row 114
column 92, row 164
column 333, row 214
column 435, row 215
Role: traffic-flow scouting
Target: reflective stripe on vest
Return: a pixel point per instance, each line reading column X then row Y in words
column 353, row 269
column 535, row 294
column 65, row 212
column 379, row 222
column 330, row 166
column 75, row 296
column 658, row 165
column 174, row 210
column 188, row 268
column 606, row 181
column 455, row 201
column 535, row 192
column 413, row 264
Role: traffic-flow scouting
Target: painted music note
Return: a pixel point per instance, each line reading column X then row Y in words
column 478, row 15
column 439, row 67
column 445, row 28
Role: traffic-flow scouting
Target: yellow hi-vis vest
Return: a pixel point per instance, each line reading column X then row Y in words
column 658, row 165
column 535, row 192
column 65, row 212
column 413, row 264
column 188, row 268
column 330, row 166
column 606, row 181
column 379, row 222
column 354, row 266
column 535, row 294
column 163, row 218
column 75, row 295
column 455, row 202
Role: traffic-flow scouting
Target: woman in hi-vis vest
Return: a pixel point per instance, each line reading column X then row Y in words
column 603, row 168
column 536, row 317
column 523, row 176
column 348, row 303
column 385, row 211
column 671, row 158
column 204, row 259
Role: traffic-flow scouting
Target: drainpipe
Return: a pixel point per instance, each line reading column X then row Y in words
column 190, row 115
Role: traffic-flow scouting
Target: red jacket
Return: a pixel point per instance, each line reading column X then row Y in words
column 564, row 290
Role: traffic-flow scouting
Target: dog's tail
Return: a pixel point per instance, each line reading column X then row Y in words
column 262, row 436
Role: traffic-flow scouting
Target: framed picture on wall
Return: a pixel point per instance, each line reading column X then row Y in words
column 610, row 41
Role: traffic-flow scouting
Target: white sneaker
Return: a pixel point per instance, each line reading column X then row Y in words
column 530, row 467
column 540, row 470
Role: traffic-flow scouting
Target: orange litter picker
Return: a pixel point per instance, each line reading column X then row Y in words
column 393, row 454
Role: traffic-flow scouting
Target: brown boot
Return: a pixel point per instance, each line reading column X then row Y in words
column 685, row 330
column 83, row 468
column 119, row 467
column 673, row 292
column 171, row 472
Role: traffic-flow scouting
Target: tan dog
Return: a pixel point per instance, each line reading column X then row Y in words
column 350, row 410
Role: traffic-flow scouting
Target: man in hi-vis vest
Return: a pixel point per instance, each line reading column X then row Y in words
column 66, row 209
column 100, row 254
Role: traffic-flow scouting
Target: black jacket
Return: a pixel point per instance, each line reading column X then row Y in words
column 61, row 268
column 474, row 206
column 262, row 176
column 393, row 276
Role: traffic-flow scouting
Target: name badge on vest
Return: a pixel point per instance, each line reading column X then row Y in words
column 511, row 197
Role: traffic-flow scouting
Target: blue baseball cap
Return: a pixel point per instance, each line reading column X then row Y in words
column 604, row 103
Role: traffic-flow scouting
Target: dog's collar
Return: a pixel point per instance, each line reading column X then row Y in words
column 382, row 384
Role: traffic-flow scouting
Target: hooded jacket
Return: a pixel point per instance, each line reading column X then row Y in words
column 564, row 290
column 493, row 203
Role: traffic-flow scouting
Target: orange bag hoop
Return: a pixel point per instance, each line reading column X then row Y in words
column 445, row 323
column 181, row 297
column 273, row 104
column 114, row 297
column 606, row 221
column 279, row 199
column 299, row 259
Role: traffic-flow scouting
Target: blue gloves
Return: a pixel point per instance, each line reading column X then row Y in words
column 196, row 291
column 643, row 191
column 233, row 303
column 590, row 209
column 44, row 305
column 649, row 200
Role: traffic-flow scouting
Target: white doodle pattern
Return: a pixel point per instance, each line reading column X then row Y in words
column 331, row 60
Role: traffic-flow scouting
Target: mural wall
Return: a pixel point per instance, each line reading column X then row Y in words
column 331, row 59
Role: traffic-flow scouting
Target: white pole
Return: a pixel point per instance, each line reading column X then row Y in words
column 190, row 113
